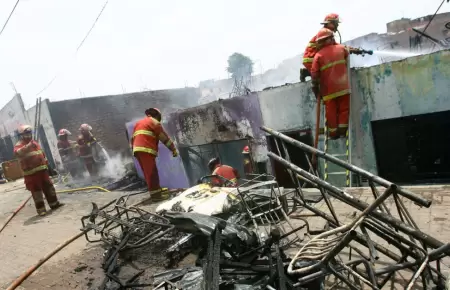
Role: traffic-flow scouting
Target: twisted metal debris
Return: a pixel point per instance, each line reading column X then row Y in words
column 267, row 241
column 368, row 234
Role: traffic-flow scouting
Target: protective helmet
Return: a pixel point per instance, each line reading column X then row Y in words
column 85, row 127
column 246, row 150
column 213, row 162
column 152, row 111
column 25, row 129
column 332, row 17
column 64, row 132
column 324, row 33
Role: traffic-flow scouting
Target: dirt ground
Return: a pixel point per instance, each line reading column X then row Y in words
column 83, row 271
column 79, row 267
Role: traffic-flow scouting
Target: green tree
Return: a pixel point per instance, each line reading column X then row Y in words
column 240, row 66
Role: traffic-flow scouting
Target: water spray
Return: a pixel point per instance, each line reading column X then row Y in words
column 403, row 54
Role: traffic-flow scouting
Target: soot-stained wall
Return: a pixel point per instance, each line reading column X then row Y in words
column 413, row 86
column 224, row 120
column 109, row 114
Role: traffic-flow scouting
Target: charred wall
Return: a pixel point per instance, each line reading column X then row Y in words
column 108, row 114
column 221, row 121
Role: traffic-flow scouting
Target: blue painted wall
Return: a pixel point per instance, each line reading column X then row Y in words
column 408, row 87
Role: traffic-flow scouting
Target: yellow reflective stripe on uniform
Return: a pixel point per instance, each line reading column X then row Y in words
column 343, row 125
column 335, row 95
column 308, row 59
column 331, row 64
column 169, row 143
column 312, row 44
column 332, row 129
column 234, row 180
column 33, row 153
column 34, row 170
column 143, row 132
column 145, row 149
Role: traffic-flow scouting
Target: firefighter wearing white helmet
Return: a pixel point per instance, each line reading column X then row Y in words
column 67, row 152
column 36, row 170
column 87, row 149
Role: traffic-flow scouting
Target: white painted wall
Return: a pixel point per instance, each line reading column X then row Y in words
column 12, row 115
column 49, row 129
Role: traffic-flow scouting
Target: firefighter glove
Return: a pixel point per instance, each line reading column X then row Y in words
column 175, row 153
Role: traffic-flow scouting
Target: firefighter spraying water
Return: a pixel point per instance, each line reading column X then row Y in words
column 330, row 22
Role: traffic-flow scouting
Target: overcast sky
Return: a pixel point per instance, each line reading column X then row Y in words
column 157, row 44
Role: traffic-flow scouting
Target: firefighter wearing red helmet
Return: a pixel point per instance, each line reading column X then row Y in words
column 248, row 166
column 35, row 170
column 146, row 135
column 87, row 150
column 331, row 22
column 330, row 81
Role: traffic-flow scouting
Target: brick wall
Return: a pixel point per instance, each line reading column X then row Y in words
column 108, row 114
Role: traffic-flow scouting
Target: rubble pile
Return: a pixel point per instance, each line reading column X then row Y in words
column 262, row 236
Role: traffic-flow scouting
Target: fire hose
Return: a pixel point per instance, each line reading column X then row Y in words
column 33, row 268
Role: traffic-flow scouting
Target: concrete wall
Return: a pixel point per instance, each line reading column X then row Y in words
column 224, row 120
column 12, row 115
column 109, row 114
column 412, row 86
column 288, row 108
column 49, row 129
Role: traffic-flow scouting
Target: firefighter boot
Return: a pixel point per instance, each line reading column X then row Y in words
column 303, row 74
column 50, row 196
column 39, row 203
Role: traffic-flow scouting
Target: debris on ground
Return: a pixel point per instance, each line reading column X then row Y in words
column 260, row 236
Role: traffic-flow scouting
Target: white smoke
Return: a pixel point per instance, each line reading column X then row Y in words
column 114, row 167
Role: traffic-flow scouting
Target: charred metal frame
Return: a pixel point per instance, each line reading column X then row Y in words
column 144, row 226
column 268, row 211
column 395, row 227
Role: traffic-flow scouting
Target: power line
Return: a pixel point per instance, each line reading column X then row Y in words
column 92, row 27
column 9, row 17
column 79, row 46
column 429, row 22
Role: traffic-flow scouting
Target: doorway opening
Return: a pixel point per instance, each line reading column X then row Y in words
column 196, row 158
column 413, row 149
column 296, row 155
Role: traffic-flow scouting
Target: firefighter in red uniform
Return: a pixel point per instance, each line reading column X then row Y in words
column 86, row 151
column 144, row 143
column 35, row 170
column 67, row 152
column 330, row 22
column 330, row 81
column 225, row 171
column 248, row 167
